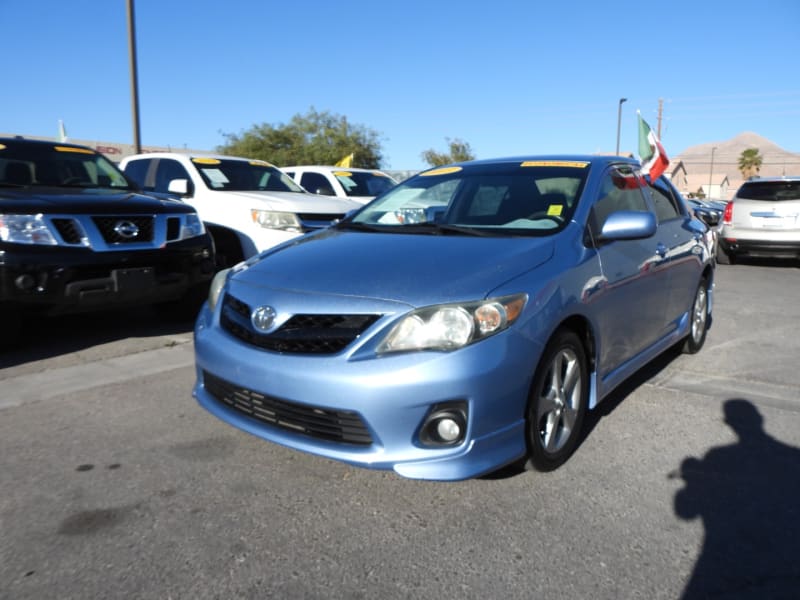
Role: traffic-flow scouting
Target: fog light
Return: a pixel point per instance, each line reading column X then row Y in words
column 444, row 425
column 448, row 429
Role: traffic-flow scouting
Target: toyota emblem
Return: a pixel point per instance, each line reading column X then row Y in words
column 263, row 318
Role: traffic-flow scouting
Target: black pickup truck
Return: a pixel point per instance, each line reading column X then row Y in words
column 76, row 236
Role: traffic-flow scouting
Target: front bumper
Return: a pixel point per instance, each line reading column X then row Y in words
column 391, row 395
column 55, row 279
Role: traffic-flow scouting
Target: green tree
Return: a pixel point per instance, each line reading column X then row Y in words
column 316, row 138
column 459, row 152
column 750, row 162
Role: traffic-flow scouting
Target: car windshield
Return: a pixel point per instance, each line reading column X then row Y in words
column 232, row 175
column 363, row 183
column 535, row 197
column 770, row 191
column 23, row 163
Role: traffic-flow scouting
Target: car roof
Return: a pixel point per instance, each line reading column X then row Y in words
column 192, row 155
column 782, row 178
column 333, row 168
column 21, row 141
column 594, row 159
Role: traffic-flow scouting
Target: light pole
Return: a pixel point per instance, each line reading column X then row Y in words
column 711, row 173
column 137, row 145
column 619, row 120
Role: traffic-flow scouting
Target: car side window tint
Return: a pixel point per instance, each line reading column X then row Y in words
column 168, row 170
column 665, row 202
column 621, row 189
column 317, row 183
column 137, row 171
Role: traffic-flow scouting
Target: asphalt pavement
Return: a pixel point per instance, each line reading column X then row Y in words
column 116, row 484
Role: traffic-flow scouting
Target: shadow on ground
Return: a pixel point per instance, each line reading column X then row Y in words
column 44, row 338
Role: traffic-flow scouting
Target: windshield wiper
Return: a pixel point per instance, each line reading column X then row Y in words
column 358, row 226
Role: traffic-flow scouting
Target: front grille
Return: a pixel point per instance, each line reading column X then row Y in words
column 321, row 423
column 301, row 334
column 312, row 221
column 173, row 228
column 107, row 226
column 68, row 229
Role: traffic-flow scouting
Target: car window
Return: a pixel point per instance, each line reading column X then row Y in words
column 665, row 203
column 770, row 191
column 57, row 165
column 316, row 183
column 533, row 197
column 137, row 170
column 360, row 183
column 167, row 170
column 620, row 189
column 243, row 175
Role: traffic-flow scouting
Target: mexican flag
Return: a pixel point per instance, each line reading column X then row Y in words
column 651, row 152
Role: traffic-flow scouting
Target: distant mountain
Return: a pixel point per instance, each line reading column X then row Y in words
column 776, row 160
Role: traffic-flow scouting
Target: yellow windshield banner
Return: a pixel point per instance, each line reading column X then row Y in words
column 76, row 150
column 555, row 163
column 342, row 173
column 260, row 163
column 206, row 161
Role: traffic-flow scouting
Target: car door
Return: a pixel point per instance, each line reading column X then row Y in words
column 630, row 310
column 681, row 239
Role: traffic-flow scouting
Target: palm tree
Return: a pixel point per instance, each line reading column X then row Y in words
column 750, row 162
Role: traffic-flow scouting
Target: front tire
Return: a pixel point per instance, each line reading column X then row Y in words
column 699, row 316
column 558, row 402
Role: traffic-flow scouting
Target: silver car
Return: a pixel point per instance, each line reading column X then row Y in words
column 763, row 220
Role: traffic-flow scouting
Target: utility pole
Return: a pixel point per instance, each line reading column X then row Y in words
column 619, row 120
column 137, row 144
column 711, row 173
column 660, row 113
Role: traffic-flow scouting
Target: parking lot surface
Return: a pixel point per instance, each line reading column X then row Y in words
column 116, row 484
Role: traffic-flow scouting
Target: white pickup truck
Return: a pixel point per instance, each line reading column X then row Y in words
column 247, row 205
column 361, row 185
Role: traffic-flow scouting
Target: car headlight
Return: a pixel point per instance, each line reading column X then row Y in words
column 452, row 326
column 192, row 226
column 271, row 219
column 217, row 285
column 26, row 229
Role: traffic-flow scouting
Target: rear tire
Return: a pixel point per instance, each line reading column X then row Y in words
column 558, row 402
column 699, row 317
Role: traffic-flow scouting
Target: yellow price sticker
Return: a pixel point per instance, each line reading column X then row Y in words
column 554, row 210
column 555, row 163
column 73, row 149
column 441, row 171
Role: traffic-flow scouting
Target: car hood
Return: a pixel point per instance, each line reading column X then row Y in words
column 417, row 270
column 299, row 202
column 49, row 200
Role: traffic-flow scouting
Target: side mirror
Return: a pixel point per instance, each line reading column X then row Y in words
column 709, row 218
column 179, row 187
column 324, row 191
column 628, row 225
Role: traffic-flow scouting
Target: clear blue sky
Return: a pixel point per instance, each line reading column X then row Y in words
column 508, row 77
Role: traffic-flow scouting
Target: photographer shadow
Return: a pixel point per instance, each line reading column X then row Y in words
column 748, row 496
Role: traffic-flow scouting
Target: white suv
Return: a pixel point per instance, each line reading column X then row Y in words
column 763, row 219
column 247, row 205
column 361, row 185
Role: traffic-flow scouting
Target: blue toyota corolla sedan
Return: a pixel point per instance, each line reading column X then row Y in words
column 466, row 319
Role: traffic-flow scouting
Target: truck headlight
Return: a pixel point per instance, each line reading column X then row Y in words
column 452, row 326
column 26, row 229
column 271, row 219
column 192, row 226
